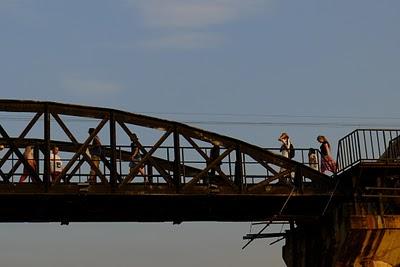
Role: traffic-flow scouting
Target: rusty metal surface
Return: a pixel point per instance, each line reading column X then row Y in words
column 371, row 222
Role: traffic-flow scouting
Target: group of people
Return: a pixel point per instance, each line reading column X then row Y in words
column 287, row 150
column 55, row 164
column 327, row 161
column 95, row 153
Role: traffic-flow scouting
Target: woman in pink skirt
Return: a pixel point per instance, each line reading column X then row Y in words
column 327, row 161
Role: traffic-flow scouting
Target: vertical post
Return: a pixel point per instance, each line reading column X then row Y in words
column 150, row 173
column 113, row 152
column 46, row 148
column 177, row 159
column 380, row 199
column 239, row 169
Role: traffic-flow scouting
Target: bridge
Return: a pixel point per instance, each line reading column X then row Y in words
column 189, row 174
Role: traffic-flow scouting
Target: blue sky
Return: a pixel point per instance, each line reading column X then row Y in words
column 211, row 60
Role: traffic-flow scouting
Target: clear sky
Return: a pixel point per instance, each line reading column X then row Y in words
column 307, row 67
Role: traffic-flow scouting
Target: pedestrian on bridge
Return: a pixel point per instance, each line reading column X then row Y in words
column 136, row 158
column 211, row 179
column 286, row 144
column 55, row 163
column 327, row 161
column 287, row 150
column 313, row 159
column 95, row 152
column 28, row 155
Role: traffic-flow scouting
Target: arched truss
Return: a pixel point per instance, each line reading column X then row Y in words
column 174, row 173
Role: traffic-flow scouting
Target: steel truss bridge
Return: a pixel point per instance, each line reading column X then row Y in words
column 187, row 174
column 182, row 182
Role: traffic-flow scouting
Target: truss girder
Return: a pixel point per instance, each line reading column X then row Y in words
column 175, row 173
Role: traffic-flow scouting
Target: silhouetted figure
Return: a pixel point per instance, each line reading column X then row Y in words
column 285, row 147
column 214, row 154
column 313, row 159
column 136, row 158
column 95, row 153
column 28, row 155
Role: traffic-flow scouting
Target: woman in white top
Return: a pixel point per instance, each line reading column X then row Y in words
column 285, row 140
column 55, row 164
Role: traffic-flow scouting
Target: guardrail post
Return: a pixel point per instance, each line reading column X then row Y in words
column 239, row 169
column 46, row 148
column 113, row 152
column 177, row 159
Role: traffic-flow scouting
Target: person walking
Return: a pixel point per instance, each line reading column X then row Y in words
column 55, row 163
column 313, row 159
column 136, row 158
column 95, row 152
column 327, row 161
column 287, row 150
column 28, row 155
column 285, row 147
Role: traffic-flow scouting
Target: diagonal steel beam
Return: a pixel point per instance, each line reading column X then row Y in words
column 130, row 176
column 207, row 159
column 208, row 167
column 160, row 169
column 13, row 170
column 73, row 139
column 76, row 168
column 13, row 147
column 270, row 179
column 262, row 163
column 80, row 151
column 21, row 136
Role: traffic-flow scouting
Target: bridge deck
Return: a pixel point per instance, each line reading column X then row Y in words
column 74, row 203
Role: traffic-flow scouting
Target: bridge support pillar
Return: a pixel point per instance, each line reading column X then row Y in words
column 345, row 240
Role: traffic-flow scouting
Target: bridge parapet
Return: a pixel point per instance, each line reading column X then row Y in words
column 370, row 146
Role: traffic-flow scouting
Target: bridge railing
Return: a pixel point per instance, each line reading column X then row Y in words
column 301, row 155
column 252, row 171
column 368, row 145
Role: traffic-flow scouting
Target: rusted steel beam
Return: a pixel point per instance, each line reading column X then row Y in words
column 68, row 177
column 21, row 157
column 195, row 179
column 84, row 155
column 130, row 176
column 64, row 127
column 155, row 163
column 215, row 163
column 80, row 152
column 196, row 147
column 263, row 235
column 21, row 136
column 262, row 163
column 269, row 180
column 13, row 170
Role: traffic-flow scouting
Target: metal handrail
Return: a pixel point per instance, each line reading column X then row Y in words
column 372, row 145
column 252, row 172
